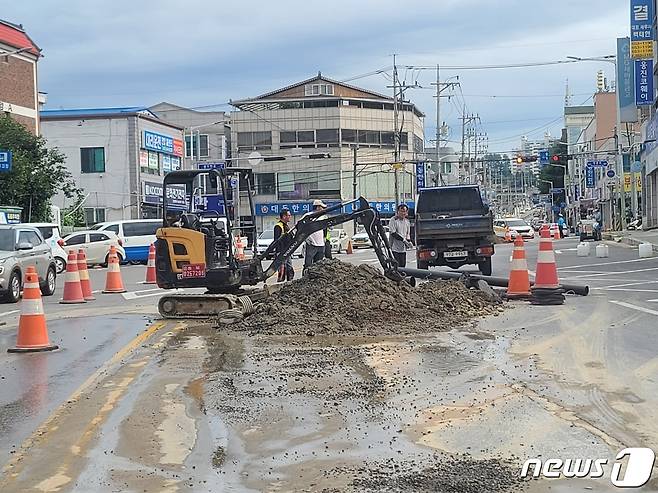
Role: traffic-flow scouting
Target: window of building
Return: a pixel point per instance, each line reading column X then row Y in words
column 404, row 140
column 318, row 90
column 418, row 144
column 92, row 159
column 94, row 215
column 265, row 183
column 347, row 135
column 254, row 140
column 326, row 137
column 447, row 168
column 388, row 139
column 201, row 146
column 306, row 185
column 369, row 105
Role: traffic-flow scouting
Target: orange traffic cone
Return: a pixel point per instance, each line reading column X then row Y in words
column 349, row 250
column 519, row 280
column 150, row 266
column 85, row 282
column 72, row 288
column 113, row 281
column 32, row 330
column 546, row 290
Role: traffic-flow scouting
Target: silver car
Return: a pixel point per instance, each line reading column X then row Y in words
column 22, row 246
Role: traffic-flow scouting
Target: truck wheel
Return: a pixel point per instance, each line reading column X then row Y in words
column 423, row 265
column 485, row 267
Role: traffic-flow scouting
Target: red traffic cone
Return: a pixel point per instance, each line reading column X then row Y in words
column 519, row 280
column 113, row 281
column 85, row 282
column 72, row 287
column 546, row 273
column 150, row 266
column 32, row 331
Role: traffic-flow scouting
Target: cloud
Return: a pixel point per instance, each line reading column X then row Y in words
column 206, row 52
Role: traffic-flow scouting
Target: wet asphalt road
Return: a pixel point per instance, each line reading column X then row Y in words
column 579, row 380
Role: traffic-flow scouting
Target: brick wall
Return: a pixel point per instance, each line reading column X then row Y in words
column 17, row 86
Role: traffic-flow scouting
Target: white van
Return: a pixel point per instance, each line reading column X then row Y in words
column 135, row 234
column 52, row 235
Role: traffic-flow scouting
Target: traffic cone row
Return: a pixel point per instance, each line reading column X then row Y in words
column 547, row 289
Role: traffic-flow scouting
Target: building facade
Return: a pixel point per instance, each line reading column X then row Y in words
column 118, row 157
column 19, row 94
column 208, row 130
column 306, row 140
column 446, row 172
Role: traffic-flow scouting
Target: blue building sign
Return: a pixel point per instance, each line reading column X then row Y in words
column 590, row 177
column 420, row 176
column 599, row 163
column 297, row 208
column 5, row 161
column 211, row 202
column 641, row 20
column 158, row 142
column 208, row 166
column 626, row 84
column 644, row 82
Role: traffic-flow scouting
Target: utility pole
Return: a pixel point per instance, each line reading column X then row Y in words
column 440, row 87
column 354, row 149
column 396, row 133
column 467, row 120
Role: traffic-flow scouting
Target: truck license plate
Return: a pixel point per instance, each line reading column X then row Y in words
column 456, row 254
column 192, row 271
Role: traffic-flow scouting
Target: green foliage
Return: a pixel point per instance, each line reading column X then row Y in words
column 37, row 174
column 554, row 174
column 74, row 215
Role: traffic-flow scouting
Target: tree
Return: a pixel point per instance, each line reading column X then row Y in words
column 37, row 174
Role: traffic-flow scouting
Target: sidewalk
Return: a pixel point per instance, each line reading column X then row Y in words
column 633, row 238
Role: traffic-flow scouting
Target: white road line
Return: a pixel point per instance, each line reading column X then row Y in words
column 635, row 307
column 630, row 284
column 558, row 251
column 145, row 293
column 610, row 263
column 5, row 314
column 628, row 290
column 614, row 273
column 653, row 301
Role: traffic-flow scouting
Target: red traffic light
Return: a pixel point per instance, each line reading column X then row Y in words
column 555, row 158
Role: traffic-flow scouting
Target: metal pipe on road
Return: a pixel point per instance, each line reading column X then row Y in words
column 499, row 282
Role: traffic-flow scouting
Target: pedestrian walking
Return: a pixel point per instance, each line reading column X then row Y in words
column 315, row 243
column 281, row 228
column 399, row 230
column 561, row 223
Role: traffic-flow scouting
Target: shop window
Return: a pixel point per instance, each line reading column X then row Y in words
column 92, row 159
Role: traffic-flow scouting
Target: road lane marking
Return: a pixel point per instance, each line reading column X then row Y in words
column 145, row 293
column 41, row 433
column 5, row 314
column 599, row 274
column 558, row 251
column 629, row 284
column 610, row 263
column 654, row 301
column 635, row 307
column 629, row 290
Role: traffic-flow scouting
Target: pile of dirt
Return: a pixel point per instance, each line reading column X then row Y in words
column 341, row 298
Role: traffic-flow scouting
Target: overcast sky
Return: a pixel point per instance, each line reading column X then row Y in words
column 200, row 53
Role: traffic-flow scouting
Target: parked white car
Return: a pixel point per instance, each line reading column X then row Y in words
column 52, row 235
column 96, row 245
column 361, row 240
column 266, row 238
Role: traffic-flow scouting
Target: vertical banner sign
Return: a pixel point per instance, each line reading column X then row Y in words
column 420, row 176
column 625, row 76
column 644, row 82
column 642, row 29
column 590, row 177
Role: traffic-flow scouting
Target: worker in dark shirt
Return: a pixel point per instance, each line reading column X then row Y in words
column 281, row 228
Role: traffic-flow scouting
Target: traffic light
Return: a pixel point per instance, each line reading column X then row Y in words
column 525, row 159
column 556, row 158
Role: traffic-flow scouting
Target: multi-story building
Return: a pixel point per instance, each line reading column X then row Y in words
column 19, row 94
column 209, row 130
column 446, row 172
column 118, row 157
column 306, row 140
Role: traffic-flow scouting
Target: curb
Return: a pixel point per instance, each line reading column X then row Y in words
column 626, row 240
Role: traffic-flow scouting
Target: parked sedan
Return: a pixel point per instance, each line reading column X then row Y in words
column 23, row 246
column 96, row 245
column 266, row 238
column 517, row 227
column 361, row 240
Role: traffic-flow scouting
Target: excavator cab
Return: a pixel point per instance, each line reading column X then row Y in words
column 195, row 248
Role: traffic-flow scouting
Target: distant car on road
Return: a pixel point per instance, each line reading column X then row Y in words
column 361, row 240
column 588, row 230
column 96, row 245
column 22, row 246
column 516, row 225
column 266, row 238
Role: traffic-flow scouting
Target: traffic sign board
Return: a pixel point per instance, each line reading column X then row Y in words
column 557, row 190
column 543, row 157
column 598, row 163
column 5, row 161
column 610, row 173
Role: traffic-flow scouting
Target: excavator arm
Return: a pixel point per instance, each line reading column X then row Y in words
column 323, row 219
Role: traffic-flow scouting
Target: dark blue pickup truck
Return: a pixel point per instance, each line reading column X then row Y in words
column 453, row 227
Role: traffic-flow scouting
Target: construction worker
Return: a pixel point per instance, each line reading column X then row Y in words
column 561, row 223
column 399, row 234
column 327, row 244
column 315, row 243
column 281, row 228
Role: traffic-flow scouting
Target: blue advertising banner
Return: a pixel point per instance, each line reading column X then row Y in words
column 158, row 142
column 5, row 161
column 641, row 20
column 273, row 208
column 590, row 177
column 420, row 176
column 626, row 78
column 644, row 82
column 207, row 166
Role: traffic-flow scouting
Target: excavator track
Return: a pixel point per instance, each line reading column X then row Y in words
column 208, row 305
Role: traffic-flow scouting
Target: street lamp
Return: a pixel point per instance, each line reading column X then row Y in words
column 620, row 162
column 550, row 191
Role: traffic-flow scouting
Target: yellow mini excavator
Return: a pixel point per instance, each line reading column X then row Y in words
column 195, row 248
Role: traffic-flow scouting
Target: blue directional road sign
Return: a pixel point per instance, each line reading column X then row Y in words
column 543, row 157
column 597, row 163
column 557, row 190
column 5, row 161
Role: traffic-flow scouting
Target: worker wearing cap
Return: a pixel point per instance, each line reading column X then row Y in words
column 315, row 243
column 399, row 234
column 281, row 228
